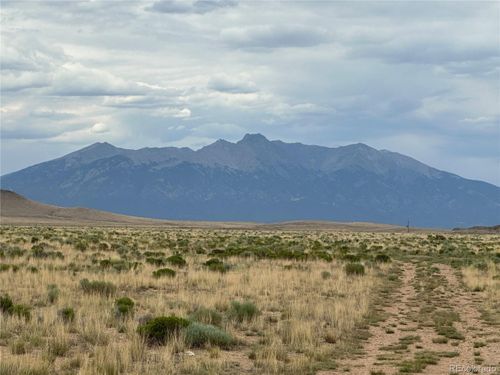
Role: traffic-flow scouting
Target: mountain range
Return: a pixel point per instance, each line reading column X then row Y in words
column 256, row 179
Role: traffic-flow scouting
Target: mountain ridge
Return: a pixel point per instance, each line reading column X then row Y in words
column 256, row 179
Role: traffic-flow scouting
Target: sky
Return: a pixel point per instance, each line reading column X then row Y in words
column 420, row 78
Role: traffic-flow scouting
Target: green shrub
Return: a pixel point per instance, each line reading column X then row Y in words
column 177, row 260
column 481, row 265
column 382, row 258
column 351, row 257
column 124, row 306
column 243, row 311
column 67, row 314
column 215, row 264
column 21, row 311
column 6, row 304
column 159, row 330
column 9, row 308
column 354, row 269
column 103, row 246
column 212, row 261
column 52, row 293
column 323, row 255
column 11, row 251
column 164, row 272
column 207, row 316
column 98, row 287
column 4, row 267
column 156, row 261
column 199, row 335
column 81, row 246
column 105, row 263
column 325, row 275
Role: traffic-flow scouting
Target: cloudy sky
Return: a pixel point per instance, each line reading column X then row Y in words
column 420, row 78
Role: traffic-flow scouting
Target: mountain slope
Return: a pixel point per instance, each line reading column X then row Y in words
column 260, row 180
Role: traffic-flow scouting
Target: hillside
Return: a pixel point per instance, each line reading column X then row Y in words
column 17, row 210
column 494, row 229
column 260, row 180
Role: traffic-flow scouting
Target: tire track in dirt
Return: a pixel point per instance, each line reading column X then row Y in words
column 470, row 325
column 401, row 320
column 379, row 337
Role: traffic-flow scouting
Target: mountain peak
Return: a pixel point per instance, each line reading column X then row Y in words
column 254, row 138
column 359, row 146
column 101, row 145
column 95, row 151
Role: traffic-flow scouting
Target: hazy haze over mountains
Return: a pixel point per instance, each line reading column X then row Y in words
column 260, row 180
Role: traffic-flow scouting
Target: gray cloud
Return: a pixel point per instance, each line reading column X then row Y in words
column 235, row 85
column 417, row 50
column 274, row 36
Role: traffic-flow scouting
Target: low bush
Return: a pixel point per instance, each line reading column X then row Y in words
column 8, row 307
column 11, row 251
column 42, row 251
column 21, row 311
column 162, row 272
column 207, row 316
column 351, row 257
column 81, row 246
column 243, row 311
column 156, row 261
column 124, row 306
column 52, row 293
column 354, row 269
column 215, row 264
column 177, row 260
column 159, row 330
column 325, row 275
column 103, row 288
column 212, row 261
column 4, row 267
column 382, row 258
column 67, row 314
column 323, row 255
column 200, row 335
column 6, row 304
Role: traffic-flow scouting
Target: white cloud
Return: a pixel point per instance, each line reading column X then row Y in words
column 99, row 127
column 186, row 6
column 172, row 112
column 192, row 142
column 74, row 79
column 478, row 120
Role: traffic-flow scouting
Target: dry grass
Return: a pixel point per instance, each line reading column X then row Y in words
column 303, row 315
column 298, row 309
column 485, row 281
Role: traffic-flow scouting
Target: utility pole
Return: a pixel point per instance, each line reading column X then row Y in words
column 408, row 226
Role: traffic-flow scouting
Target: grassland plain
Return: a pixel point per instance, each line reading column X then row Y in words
column 96, row 300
